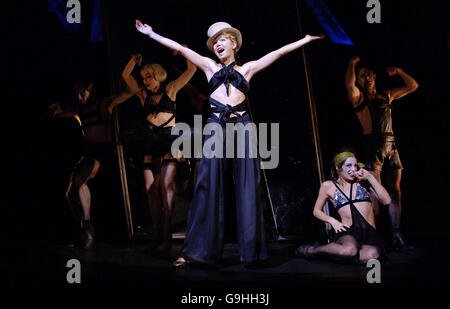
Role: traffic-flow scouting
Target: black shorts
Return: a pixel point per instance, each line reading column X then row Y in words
column 367, row 150
column 387, row 154
column 156, row 142
column 377, row 151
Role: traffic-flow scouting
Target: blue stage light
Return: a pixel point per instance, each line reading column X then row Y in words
column 328, row 22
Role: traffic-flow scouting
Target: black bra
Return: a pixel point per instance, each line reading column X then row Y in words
column 165, row 105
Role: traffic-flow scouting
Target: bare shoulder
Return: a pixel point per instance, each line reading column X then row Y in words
column 358, row 99
column 213, row 66
column 327, row 184
column 327, row 187
column 245, row 69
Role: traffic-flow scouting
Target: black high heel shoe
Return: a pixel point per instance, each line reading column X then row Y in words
column 399, row 244
column 163, row 249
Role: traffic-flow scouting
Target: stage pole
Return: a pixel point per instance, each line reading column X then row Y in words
column 313, row 114
column 118, row 141
column 266, row 183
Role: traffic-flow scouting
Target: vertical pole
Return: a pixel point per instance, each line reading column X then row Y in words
column 313, row 113
column 119, row 146
column 123, row 174
column 266, row 183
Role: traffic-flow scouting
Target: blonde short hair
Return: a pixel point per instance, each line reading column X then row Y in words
column 157, row 70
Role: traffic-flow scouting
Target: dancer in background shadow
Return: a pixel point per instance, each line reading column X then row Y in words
column 374, row 111
column 97, row 153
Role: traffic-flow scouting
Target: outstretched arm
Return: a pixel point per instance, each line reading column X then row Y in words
column 205, row 64
column 253, row 67
column 353, row 91
column 410, row 84
column 119, row 99
column 55, row 110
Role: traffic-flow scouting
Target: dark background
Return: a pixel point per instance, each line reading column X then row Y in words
column 44, row 59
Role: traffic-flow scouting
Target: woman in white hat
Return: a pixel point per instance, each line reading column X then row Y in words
column 229, row 85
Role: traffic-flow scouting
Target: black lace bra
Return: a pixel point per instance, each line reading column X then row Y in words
column 165, row 105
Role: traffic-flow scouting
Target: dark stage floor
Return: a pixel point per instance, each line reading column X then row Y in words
column 131, row 265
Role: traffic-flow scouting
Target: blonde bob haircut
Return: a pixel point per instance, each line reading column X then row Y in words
column 156, row 70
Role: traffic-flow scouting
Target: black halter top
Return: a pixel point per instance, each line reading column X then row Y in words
column 228, row 75
column 165, row 105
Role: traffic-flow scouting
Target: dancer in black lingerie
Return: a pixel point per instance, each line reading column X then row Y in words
column 229, row 85
column 356, row 238
column 157, row 98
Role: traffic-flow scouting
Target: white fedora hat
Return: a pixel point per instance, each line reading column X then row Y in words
column 220, row 27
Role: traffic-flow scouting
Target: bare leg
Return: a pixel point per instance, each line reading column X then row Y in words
column 151, row 184
column 152, row 197
column 368, row 253
column 168, row 193
column 395, row 211
column 85, row 201
column 395, row 207
column 345, row 248
column 85, row 193
column 149, row 179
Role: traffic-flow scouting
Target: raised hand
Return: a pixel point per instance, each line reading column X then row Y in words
column 143, row 28
column 137, row 59
column 354, row 60
column 314, row 37
column 362, row 174
column 392, row 71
